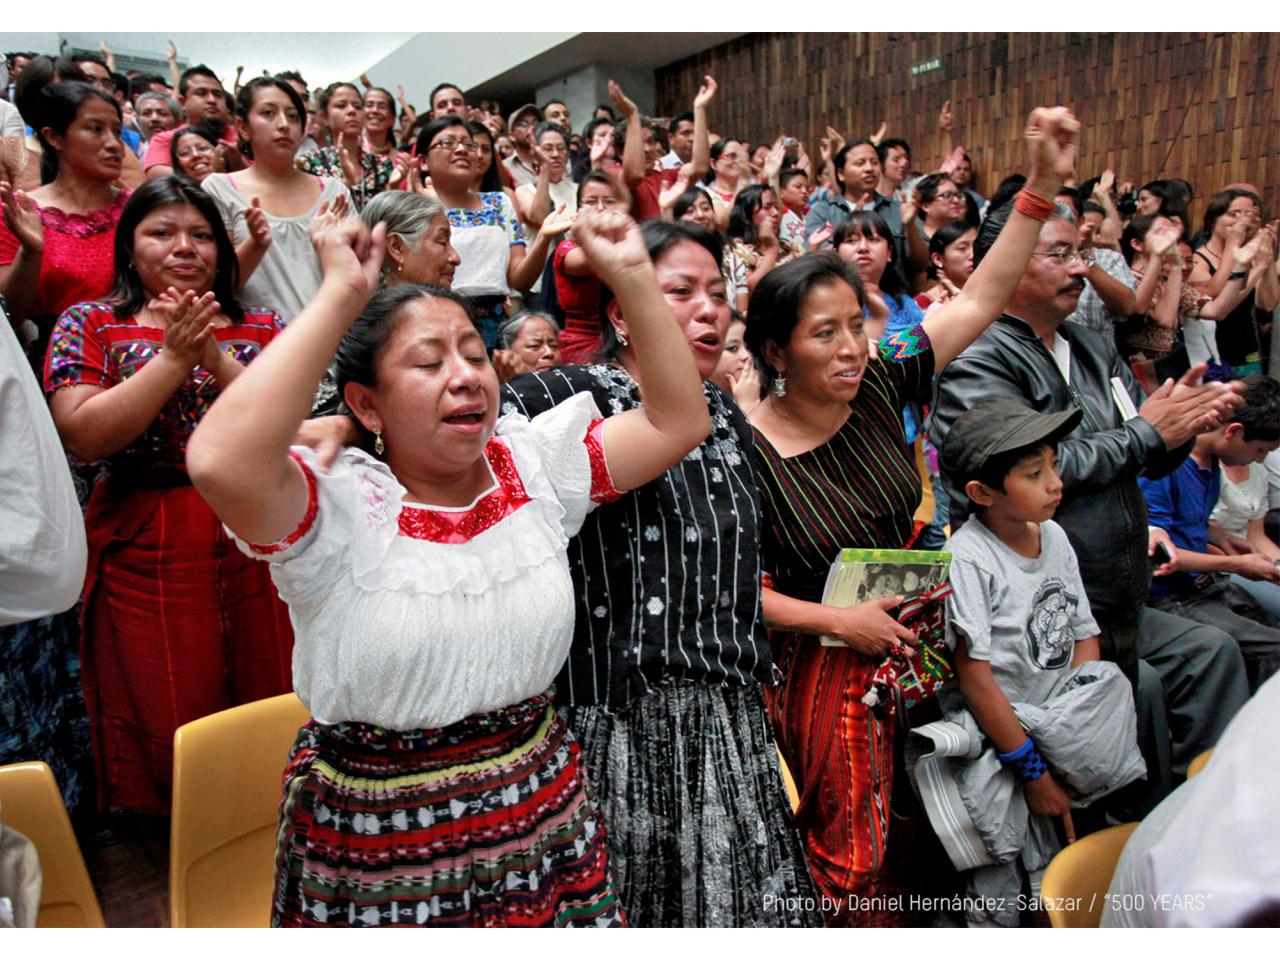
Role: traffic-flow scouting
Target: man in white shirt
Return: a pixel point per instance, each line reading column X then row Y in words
column 680, row 136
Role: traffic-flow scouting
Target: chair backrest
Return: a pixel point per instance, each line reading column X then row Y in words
column 227, row 771
column 31, row 803
column 792, row 793
column 1076, row 880
column 1198, row 764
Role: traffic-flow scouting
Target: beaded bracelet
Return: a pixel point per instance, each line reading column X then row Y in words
column 1033, row 205
column 1026, row 762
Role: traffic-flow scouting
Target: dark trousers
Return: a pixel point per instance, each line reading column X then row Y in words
column 1230, row 609
column 1189, row 681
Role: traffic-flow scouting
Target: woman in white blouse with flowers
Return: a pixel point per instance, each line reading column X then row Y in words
column 430, row 592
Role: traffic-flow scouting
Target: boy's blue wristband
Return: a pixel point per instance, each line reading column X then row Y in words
column 1025, row 762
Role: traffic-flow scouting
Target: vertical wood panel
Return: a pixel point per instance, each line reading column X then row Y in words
column 1210, row 103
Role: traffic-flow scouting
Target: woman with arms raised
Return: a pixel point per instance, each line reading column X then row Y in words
column 830, row 432
column 663, row 683
column 177, row 624
column 430, row 586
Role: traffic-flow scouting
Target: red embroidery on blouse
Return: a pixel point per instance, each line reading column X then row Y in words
column 602, row 488
column 459, row 526
column 308, row 518
column 88, row 224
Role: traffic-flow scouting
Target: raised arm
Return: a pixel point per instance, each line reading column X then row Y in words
column 526, row 263
column 1266, row 271
column 640, row 445
column 533, row 200
column 175, row 75
column 633, row 170
column 247, row 476
column 1052, row 138
column 1235, row 290
column 701, row 159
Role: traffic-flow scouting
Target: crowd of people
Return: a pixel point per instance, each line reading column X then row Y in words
column 522, row 455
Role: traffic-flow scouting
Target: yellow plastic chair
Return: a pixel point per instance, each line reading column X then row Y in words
column 226, row 800
column 792, row 793
column 31, row 803
column 1076, row 881
column 1199, row 763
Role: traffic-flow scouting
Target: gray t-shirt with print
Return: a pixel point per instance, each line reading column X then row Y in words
column 1023, row 615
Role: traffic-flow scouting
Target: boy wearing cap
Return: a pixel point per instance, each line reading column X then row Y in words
column 1054, row 723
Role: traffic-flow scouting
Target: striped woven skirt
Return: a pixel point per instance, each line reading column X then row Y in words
column 487, row 822
column 700, row 827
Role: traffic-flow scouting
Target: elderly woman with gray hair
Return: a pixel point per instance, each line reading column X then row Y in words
column 419, row 250
column 527, row 343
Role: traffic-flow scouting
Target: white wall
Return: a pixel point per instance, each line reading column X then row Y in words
column 583, row 89
column 466, row 59
column 321, row 57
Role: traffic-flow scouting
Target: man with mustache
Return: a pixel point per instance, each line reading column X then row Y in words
column 1191, row 676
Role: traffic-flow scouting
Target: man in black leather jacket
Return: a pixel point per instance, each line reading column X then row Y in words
column 1122, row 434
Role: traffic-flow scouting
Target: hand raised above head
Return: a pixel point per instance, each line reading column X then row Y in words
column 946, row 119
column 706, row 93
column 621, row 102
column 351, row 255
column 1053, row 139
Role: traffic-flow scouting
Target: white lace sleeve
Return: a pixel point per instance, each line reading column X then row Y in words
column 561, row 450
column 307, row 561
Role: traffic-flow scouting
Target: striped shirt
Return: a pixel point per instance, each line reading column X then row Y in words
column 859, row 489
column 667, row 578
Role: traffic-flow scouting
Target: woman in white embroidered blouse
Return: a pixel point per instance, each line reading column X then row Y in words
column 430, row 592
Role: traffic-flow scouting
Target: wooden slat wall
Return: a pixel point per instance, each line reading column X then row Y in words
column 1207, row 102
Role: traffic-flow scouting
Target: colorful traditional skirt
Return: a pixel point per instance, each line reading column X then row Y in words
column 840, row 752
column 486, row 823
column 700, row 826
column 177, row 624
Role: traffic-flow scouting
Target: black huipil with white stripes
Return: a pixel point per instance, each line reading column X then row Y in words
column 667, row 578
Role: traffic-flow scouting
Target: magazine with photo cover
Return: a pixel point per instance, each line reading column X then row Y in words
column 857, row 576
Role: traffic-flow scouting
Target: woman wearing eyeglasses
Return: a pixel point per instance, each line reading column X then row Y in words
column 194, row 154
column 496, row 261
column 941, row 201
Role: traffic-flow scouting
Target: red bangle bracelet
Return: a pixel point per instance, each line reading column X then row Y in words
column 1033, row 205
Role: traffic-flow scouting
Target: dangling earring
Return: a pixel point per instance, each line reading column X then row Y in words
column 622, row 337
column 378, row 446
column 779, row 386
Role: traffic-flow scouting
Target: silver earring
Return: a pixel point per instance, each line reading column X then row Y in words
column 779, row 386
column 622, row 337
column 378, row 446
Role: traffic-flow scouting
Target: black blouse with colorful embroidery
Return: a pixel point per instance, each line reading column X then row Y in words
column 668, row 577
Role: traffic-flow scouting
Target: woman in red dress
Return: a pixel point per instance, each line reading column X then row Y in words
column 177, row 623
column 56, row 241
column 577, row 286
